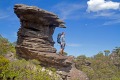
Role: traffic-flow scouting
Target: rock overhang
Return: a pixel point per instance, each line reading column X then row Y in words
column 36, row 15
column 35, row 40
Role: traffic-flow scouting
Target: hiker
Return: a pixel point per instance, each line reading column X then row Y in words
column 62, row 43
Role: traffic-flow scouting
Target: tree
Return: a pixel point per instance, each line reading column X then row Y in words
column 117, row 50
column 117, row 57
column 106, row 52
column 80, row 61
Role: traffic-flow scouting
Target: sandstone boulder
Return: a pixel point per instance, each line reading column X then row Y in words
column 35, row 40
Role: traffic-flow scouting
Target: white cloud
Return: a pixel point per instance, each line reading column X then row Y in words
column 73, row 45
column 104, row 14
column 68, row 11
column 109, row 17
column 113, row 19
column 98, row 5
column 112, row 22
column 5, row 16
column 8, row 14
column 70, row 45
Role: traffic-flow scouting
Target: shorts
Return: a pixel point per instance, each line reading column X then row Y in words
column 63, row 46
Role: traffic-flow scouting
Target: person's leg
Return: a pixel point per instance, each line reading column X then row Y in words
column 60, row 52
column 62, row 49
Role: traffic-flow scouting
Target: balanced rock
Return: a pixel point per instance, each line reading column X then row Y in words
column 35, row 40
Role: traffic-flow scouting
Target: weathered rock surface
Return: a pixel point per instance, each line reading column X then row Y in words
column 10, row 56
column 35, row 40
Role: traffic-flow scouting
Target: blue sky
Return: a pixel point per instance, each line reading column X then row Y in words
column 92, row 25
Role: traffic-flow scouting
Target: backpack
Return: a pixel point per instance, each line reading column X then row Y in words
column 58, row 38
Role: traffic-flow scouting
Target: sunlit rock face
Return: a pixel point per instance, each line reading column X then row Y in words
column 35, row 41
column 37, row 28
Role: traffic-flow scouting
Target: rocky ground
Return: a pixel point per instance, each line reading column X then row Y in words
column 35, row 41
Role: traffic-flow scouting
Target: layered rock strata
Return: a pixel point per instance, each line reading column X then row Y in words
column 35, row 40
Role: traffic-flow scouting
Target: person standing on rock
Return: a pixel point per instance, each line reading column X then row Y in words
column 62, row 44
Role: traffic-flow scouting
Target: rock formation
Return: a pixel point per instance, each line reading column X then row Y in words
column 35, row 40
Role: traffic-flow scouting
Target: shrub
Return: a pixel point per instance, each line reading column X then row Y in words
column 101, row 68
column 3, row 64
column 6, row 46
column 25, row 70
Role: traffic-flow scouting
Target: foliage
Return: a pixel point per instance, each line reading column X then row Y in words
column 116, row 58
column 117, row 51
column 106, row 52
column 65, row 53
column 101, row 68
column 52, row 69
column 80, row 61
column 34, row 61
column 3, row 64
column 14, row 43
column 25, row 70
column 21, row 69
column 89, row 71
column 5, row 46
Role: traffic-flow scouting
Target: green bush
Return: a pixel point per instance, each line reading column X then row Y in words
column 25, row 70
column 21, row 69
column 6, row 46
column 34, row 61
column 3, row 64
column 101, row 68
column 89, row 71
